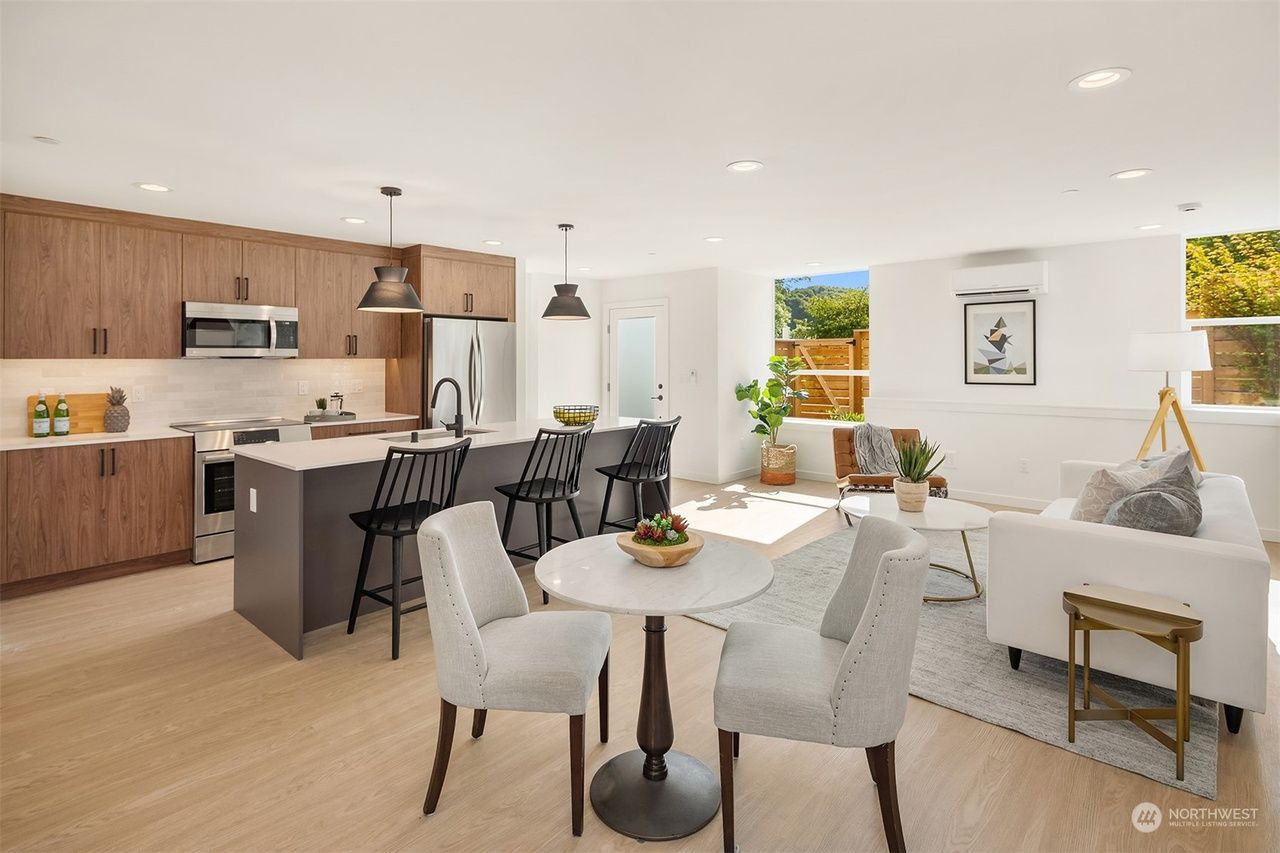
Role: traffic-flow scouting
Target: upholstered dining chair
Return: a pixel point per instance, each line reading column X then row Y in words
column 845, row 684
column 492, row 653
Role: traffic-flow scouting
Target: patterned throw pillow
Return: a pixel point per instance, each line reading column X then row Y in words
column 1169, row 505
column 1108, row 485
column 1173, row 460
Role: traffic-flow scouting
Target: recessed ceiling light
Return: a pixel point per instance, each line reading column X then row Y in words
column 47, row 140
column 1150, row 227
column 652, row 253
column 745, row 166
column 492, row 242
column 714, row 239
column 584, row 269
column 1129, row 174
column 814, row 264
column 1100, row 79
column 153, row 188
column 1071, row 192
column 353, row 220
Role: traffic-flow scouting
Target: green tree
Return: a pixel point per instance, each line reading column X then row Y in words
column 781, row 310
column 1238, row 275
column 835, row 315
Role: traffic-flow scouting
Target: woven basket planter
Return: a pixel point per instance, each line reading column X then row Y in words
column 777, row 464
column 911, row 496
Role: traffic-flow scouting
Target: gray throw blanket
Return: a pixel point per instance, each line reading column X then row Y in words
column 877, row 454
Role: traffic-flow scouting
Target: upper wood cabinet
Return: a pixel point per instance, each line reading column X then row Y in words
column 465, row 288
column 329, row 287
column 223, row 269
column 87, row 505
column 77, row 289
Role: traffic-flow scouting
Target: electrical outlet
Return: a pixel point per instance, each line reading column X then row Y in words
column 693, row 377
column 357, row 386
column 950, row 459
column 302, row 387
column 139, row 393
column 253, row 500
column 1024, row 466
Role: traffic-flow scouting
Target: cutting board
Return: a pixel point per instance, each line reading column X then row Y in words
column 87, row 411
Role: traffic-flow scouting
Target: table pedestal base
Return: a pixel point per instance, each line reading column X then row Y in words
column 652, row 810
column 971, row 576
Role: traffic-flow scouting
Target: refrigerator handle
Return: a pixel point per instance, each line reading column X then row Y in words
column 479, row 413
column 471, row 377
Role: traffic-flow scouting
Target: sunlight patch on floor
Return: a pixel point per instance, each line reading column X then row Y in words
column 754, row 513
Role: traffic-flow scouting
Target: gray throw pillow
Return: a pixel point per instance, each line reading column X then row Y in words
column 1170, row 461
column 1108, row 485
column 1169, row 505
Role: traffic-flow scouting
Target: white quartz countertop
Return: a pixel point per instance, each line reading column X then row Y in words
column 26, row 442
column 359, row 449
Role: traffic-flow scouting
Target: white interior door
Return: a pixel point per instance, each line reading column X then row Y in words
column 638, row 383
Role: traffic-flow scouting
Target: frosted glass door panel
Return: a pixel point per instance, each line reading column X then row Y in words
column 637, row 382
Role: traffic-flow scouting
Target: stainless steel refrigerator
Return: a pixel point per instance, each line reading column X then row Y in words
column 481, row 356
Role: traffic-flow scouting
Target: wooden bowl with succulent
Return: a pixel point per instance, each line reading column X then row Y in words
column 661, row 542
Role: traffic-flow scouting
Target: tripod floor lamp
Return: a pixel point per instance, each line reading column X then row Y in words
column 1168, row 353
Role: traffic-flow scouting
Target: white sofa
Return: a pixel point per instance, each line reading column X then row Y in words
column 1222, row 571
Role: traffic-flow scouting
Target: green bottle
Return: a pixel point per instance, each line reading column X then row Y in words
column 61, row 417
column 40, row 419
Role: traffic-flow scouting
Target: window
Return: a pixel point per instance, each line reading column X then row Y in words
column 1233, row 293
column 824, row 321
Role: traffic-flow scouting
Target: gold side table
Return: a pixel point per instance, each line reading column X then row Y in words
column 1171, row 625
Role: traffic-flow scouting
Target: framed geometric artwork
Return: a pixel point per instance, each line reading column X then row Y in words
column 1000, row 343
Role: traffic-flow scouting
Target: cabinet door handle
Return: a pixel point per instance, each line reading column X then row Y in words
column 348, row 345
column 356, row 340
column 246, row 288
column 95, row 340
column 237, row 288
column 105, row 345
column 113, row 462
column 102, row 462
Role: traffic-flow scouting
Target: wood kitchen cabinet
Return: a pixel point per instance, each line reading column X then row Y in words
column 375, row 428
column 223, row 269
column 463, row 288
column 330, row 286
column 77, row 289
column 94, row 506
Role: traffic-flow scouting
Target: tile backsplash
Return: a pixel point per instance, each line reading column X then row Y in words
column 174, row 390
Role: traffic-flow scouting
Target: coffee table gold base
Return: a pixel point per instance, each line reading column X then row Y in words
column 971, row 576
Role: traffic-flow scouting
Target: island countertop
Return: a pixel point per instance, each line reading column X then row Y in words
column 359, row 449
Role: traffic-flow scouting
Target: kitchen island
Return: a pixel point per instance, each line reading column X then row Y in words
column 297, row 551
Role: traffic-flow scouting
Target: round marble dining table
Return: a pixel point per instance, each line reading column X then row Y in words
column 653, row 793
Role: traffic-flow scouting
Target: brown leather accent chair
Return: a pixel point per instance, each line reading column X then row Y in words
column 851, row 480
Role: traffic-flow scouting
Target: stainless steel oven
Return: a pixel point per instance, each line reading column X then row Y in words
column 215, row 476
column 230, row 330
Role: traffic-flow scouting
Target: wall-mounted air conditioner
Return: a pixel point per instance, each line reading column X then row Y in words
column 1030, row 279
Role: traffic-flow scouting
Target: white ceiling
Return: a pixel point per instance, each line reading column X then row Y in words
column 890, row 131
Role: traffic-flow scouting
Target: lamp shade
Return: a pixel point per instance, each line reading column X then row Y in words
column 390, row 293
column 566, row 305
column 1169, row 352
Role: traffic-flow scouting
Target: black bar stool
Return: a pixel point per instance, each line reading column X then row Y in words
column 428, row 486
column 647, row 460
column 550, row 476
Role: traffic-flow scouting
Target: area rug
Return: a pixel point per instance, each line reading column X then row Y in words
column 957, row 667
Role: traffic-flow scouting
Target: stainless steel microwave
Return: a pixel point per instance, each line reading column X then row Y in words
column 231, row 330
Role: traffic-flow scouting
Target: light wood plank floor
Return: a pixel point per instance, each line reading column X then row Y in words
column 142, row 713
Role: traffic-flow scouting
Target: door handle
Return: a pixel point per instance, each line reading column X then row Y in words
column 113, row 462
column 95, row 340
column 105, row 345
column 246, row 288
column 102, row 462
column 348, row 345
column 237, row 288
column 659, row 397
column 355, row 339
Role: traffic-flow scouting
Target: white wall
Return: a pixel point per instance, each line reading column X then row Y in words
column 562, row 363
column 194, row 389
column 1086, row 403
column 744, row 335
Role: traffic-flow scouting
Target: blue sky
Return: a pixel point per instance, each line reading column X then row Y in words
column 856, row 278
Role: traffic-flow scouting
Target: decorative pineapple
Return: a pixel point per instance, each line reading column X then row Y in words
column 116, row 418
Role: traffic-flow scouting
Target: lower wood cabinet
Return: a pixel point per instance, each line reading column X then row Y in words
column 90, row 505
column 341, row 430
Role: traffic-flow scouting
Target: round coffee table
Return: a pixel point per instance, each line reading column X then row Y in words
column 653, row 793
column 943, row 514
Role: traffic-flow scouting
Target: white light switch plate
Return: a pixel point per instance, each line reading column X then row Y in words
column 253, row 500
column 302, row 387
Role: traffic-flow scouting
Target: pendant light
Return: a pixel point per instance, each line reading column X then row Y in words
column 390, row 293
column 566, row 304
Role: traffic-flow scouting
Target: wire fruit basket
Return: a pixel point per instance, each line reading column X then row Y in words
column 575, row 415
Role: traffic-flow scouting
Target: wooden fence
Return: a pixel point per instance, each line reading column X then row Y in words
column 1229, row 384
column 830, row 392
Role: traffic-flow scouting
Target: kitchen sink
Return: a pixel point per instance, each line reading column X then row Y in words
column 425, row 434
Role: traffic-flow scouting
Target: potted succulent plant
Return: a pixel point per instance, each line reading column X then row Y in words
column 770, row 404
column 661, row 542
column 915, row 464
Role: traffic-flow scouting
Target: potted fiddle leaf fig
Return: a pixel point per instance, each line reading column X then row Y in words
column 915, row 464
column 770, row 404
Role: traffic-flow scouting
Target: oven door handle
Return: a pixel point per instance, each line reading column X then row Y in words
column 209, row 458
